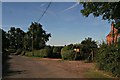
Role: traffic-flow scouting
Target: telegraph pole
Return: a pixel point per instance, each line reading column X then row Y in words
column 32, row 42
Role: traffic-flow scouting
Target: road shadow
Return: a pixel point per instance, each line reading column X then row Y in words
column 6, row 72
column 15, row 72
column 5, row 63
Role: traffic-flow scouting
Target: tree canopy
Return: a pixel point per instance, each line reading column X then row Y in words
column 36, row 37
column 108, row 10
column 5, row 41
column 88, row 45
column 15, row 36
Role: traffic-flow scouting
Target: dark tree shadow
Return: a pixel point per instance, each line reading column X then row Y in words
column 5, row 64
column 6, row 67
column 10, row 72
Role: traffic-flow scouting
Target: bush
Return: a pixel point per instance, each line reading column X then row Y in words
column 45, row 52
column 11, row 50
column 23, row 53
column 108, row 59
column 57, row 52
column 87, row 47
column 68, row 53
column 30, row 54
column 19, row 51
column 36, row 53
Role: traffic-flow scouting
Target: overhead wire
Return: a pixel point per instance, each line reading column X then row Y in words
column 44, row 11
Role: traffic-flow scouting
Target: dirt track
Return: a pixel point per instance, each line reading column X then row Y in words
column 28, row 67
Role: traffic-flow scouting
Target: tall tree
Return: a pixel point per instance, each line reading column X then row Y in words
column 88, row 46
column 15, row 36
column 11, row 37
column 19, row 38
column 5, row 41
column 37, row 36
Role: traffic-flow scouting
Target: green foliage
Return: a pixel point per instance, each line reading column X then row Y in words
column 15, row 36
column 36, row 53
column 18, row 52
column 5, row 44
column 30, row 54
column 23, row 53
column 36, row 37
column 108, row 58
column 118, row 43
column 57, row 51
column 87, row 47
column 108, row 10
column 96, row 74
column 43, row 53
column 46, row 52
column 5, row 41
column 68, row 53
column 11, row 50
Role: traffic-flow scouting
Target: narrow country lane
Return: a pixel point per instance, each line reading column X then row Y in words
column 28, row 67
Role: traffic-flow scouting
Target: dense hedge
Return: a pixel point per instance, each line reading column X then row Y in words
column 43, row 53
column 57, row 52
column 11, row 50
column 108, row 59
column 30, row 54
column 68, row 53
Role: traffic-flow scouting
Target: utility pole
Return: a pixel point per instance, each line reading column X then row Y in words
column 92, row 55
column 32, row 42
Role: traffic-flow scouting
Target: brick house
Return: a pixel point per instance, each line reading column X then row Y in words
column 113, row 34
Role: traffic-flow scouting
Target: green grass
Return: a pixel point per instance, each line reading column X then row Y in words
column 96, row 74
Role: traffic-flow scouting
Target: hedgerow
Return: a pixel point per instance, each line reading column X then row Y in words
column 68, row 53
column 108, row 59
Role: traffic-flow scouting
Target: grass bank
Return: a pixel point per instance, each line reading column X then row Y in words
column 98, row 74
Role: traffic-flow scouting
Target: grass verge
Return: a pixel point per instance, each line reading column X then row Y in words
column 97, row 74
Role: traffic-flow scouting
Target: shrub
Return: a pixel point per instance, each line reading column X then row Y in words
column 57, row 52
column 87, row 47
column 36, row 53
column 30, row 54
column 18, row 52
column 11, row 50
column 43, row 53
column 23, row 53
column 46, row 52
column 68, row 53
column 108, row 59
